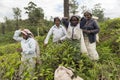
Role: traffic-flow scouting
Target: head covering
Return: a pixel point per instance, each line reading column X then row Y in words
column 27, row 32
column 95, row 17
column 78, row 17
column 88, row 11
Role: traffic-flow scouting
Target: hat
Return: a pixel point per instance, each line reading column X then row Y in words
column 88, row 11
column 27, row 32
column 78, row 17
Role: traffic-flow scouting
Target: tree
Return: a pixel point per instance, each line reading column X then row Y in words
column 35, row 14
column 3, row 28
column 73, row 6
column 17, row 16
column 66, row 8
column 83, row 9
column 8, row 25
column 98, row 11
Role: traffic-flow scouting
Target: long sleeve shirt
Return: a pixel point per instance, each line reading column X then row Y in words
column 74, row 32
column 91, row 25
column 82, row 22
column 28, row 46
column 59, row 33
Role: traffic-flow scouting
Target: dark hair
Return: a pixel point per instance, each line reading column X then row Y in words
column 75, row 17
column 56, row 19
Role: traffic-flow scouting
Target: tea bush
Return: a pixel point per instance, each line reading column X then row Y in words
column 106, row 68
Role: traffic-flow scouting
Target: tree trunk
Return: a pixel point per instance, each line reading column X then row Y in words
column 3, row 28
column 66, row 8
column 17, row 23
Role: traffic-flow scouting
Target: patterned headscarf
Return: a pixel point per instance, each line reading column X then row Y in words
column 27, row 32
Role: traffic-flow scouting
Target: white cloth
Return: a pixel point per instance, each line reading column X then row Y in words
column 28, row 46
column 91, row 49
column 29, row 49
column 75, row 31
column 77, row 34
column 97, row 37
column 77, row 78
column 59, row 33
column 28, row 65
column 83, row 47
column 62, row 73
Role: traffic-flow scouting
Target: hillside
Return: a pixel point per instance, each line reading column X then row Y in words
column 107, row 68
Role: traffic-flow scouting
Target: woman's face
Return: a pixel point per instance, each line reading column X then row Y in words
column 24, row 36
column 87, row 15
column 57, row 22
column 74, row 21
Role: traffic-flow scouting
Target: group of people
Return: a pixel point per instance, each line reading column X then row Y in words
column 80, row 33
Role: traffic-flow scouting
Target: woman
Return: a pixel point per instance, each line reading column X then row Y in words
column 58, row 32
column 90, row 29
column 29, row 49
column 75, row 36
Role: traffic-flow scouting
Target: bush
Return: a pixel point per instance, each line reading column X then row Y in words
column 107, row 67
column 9, row 49
column 110, row 34
column 6, row 38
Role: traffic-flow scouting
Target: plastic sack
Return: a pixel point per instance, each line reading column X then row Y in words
column 83, row 48
column 62, row 73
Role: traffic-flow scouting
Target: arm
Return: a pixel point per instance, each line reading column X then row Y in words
column 48, row 35
column 65, row 22
column 82, row 22
column 16, row 35
column 96, row 28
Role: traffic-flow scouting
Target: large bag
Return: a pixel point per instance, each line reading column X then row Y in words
column 83, row 48
column 62, row 73
column 97, row 38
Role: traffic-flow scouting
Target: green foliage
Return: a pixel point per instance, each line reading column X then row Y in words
column 83, row 9
column 9, row 25
column 9, row 49
column 9, row 66
column 106, row 68
column 17, row 16
column 34, row 13
column 6, row 38
column 73, row 4
column 111, row 29
column 40, row 30
column 98, row 11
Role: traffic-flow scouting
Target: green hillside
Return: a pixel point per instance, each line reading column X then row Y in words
column 107, row 68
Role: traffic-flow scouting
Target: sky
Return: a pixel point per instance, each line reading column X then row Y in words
column 55, row 7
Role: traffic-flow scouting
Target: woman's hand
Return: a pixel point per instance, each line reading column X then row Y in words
column 19, row 49
column 87, row 31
